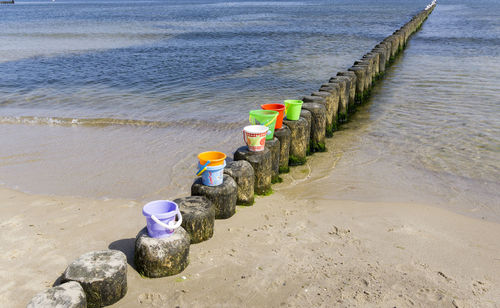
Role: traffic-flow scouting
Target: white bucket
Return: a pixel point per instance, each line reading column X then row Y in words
column 255, row 137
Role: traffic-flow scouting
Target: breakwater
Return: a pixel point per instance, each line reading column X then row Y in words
column 324, row 111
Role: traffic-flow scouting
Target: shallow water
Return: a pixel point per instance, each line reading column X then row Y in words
column 115, row 98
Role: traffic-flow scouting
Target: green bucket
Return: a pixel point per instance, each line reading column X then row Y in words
column 292, row 109
column 266, row 118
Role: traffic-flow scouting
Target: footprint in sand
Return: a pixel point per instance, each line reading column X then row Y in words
column 479, row 287
column 151, row 299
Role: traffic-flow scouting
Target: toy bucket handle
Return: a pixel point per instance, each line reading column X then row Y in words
column 251, row 120
column 244, row 136
column 271, row 121
column 170, row 225
column 202, row 168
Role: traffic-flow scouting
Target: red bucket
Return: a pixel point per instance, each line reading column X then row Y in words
column 281, row 112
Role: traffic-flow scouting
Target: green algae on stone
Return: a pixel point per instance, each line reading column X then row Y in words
column 285, row 169
column 296, row 161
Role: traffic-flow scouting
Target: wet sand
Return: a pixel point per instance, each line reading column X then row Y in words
column 292, row 248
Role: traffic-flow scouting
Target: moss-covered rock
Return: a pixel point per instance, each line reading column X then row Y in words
column 242, row 172
column 198, row 216
column 318, row 124
column 102, row 275
column 223, row 196
column 274, row 147
column 68, row 295
column 299, row 139
column 284, row 135
column 161, row 257
column 262, row 166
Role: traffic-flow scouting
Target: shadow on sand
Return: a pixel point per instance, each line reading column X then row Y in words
column 127, row 247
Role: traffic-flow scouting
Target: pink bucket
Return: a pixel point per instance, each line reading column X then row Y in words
column 255, row 137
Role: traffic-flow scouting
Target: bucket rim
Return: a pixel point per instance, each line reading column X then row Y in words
column 278, row 107
column 262, row 127
column 264, row 112
column 214, row 168
column 160, row 215
column 293, row 101
column 213, row 161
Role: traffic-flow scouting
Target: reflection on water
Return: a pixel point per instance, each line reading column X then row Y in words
column 115, row 98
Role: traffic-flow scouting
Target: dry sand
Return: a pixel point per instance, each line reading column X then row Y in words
column 286, row 250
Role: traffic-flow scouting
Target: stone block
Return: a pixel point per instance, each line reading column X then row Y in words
column 284, row 135
column 102, row 275
column 368, row 74
column 161, row 257
column 198, row 217
column 334, row 90
column 352, row 91
column 242, row 172
column 299, row 140
column 306, row 114
column 318, row 126
column 223, row 196
column 343, row 97
column 67, row 295
column 373, row 59
column 262, row 167
column 360, row 72
column 381, row 52
column 273, row 146
column 328, row 106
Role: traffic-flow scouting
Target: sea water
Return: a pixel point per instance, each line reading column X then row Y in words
column 116, row 98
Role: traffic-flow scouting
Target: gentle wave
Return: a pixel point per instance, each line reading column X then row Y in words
column 104, row 122
column 92, row 35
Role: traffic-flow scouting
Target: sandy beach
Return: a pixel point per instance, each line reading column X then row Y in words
column 289, row 249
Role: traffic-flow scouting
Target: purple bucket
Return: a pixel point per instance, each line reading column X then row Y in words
column 160, row 218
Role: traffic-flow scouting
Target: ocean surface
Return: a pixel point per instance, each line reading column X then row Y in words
column 114, row 99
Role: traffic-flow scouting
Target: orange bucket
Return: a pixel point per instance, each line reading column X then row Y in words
column 281, row 112
column 215, row 158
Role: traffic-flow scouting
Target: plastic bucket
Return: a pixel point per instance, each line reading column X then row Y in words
column 160, row 218
column 215, row 158
column 292, row 109
column 255, row 137
column 266, row 118
column 213, row 175
column 281, row 112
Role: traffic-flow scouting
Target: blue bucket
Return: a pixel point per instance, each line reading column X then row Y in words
column 160, row 218
column 213, row 175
